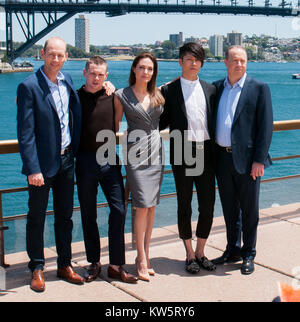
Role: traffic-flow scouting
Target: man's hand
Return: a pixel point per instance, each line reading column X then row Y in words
column 109, row 88
column 257, row 170
column 36, row 179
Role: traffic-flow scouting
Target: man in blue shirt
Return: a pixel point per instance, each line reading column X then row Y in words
column 243, row 132
column 48, row 128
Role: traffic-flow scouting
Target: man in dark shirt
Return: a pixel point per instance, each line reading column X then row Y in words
column 97, row 116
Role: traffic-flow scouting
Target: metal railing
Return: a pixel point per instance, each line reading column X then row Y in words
column 11, row 146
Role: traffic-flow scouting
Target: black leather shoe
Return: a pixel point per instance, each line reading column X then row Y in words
column 191, row 266
column 93, row 272
column 205, row 263
column 226, row 258
column 247, row 266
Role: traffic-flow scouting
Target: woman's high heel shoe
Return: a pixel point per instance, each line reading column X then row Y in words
column 151, row 271
column 142, row 272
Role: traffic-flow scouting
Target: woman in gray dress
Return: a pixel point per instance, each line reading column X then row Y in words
column 142, row 104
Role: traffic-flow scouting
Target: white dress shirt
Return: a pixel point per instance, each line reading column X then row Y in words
column 226, row 110
column 195, row 104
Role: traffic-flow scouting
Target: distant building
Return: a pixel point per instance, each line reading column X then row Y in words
column 120, row 50
column 177, row 39
column 192, row 39
column 82, row 33
column 216, row 45
column 234, row 38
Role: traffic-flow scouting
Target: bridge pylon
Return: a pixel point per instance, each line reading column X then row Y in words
column 27, row 23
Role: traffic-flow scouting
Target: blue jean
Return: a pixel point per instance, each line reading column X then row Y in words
column 62, row 185
column 88, row 175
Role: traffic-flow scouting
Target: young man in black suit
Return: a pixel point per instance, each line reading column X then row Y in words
column 188, row 114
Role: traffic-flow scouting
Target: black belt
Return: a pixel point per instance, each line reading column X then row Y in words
column 227, row 149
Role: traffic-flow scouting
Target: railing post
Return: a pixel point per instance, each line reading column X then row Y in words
column 2, row 228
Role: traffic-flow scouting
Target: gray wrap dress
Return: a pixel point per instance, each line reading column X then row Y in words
column 143, row 150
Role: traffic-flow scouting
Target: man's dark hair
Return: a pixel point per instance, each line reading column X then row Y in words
column 194, row 49
column 97, row 60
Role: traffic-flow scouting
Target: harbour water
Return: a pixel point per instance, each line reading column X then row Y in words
column 286, row 105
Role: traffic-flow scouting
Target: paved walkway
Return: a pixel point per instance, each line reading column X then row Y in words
column 277, row 260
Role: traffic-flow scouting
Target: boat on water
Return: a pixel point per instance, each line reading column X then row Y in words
column 25, row 64
column 296, row 76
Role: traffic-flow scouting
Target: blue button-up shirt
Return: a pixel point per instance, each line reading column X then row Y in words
column 61, row 95
column 226, row 109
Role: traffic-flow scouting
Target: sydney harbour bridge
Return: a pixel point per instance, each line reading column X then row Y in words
column 56, row 12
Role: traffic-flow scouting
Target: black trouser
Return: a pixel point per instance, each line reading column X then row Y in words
column 239, row 195
column 205, row 187
column 62, row 185
column 88, row 176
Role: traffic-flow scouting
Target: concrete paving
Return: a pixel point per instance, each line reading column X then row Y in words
column 277, row 260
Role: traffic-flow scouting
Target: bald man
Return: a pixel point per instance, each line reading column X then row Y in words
column 48, row 128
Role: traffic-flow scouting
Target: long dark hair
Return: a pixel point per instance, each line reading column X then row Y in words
column 156, row 97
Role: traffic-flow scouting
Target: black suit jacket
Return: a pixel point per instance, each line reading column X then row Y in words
column 252, row 127
column 174, row 115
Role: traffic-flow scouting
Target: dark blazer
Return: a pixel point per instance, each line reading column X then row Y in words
column 174, row 114
column 252, row 127
column 38, row 125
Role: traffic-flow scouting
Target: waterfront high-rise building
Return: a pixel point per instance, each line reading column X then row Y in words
column 234, row 38
column 216, row 45
column 177, row 39
column 82, row 33
column 192, row 39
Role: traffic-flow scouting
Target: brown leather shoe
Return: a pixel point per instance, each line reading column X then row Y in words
column 37, row 281
column 93, row 272
column 121, row 275
column 67, row 273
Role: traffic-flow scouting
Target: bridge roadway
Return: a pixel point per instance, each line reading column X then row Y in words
column 116, row 7
column 277, row 260
column 67, row 9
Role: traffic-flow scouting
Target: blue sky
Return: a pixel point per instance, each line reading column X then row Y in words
column 147, row 28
